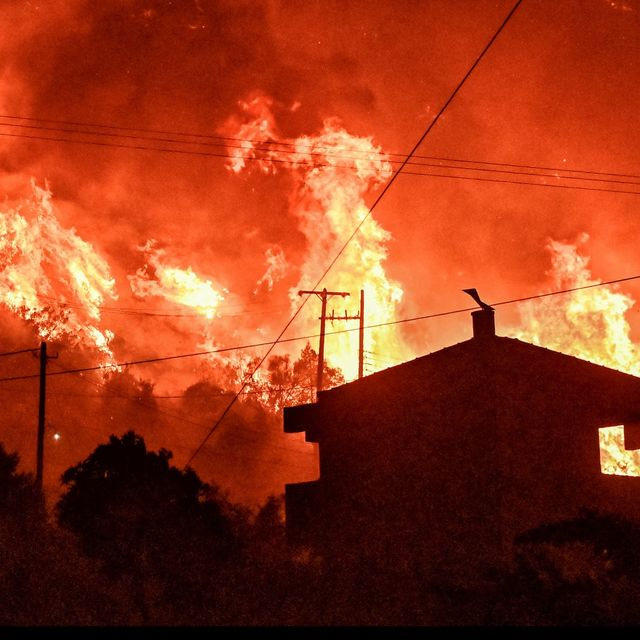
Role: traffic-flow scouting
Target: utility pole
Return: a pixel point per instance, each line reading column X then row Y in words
column 361, row 337
column 41, row 413
column 41, row 408
column 323, row 295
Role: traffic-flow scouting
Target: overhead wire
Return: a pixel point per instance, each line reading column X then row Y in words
column 280, row 160
column 521, row 182
column 14, row 353
column 226, row 453
column 329, row 153
column 292, row 147
column 143, row 312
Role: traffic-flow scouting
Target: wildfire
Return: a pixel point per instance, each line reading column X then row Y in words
column 276, row 269
column 334, row 170
column 589, row 324
column 180, row 286
column 52, row 278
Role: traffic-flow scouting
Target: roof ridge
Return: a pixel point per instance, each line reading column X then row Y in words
column 496, row 339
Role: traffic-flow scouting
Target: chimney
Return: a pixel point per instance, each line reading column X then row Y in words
column 484, row 324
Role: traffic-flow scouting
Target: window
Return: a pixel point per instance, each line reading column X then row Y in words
column 614, row 458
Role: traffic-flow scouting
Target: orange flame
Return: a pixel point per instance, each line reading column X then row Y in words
column 276, row 269
column 589, row 324
column 334, row 172
column 51, row 277
column 180, row 286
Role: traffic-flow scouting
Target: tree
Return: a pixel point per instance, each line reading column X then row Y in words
column 36, row 588
column 285, row 384
column 146, row 519
column 20, row 499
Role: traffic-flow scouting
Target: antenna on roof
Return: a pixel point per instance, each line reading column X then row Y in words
column 476, row 296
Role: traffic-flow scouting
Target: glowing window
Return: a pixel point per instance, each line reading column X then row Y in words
column 614, row 458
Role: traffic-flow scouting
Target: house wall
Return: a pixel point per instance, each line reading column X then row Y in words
column 439, row 463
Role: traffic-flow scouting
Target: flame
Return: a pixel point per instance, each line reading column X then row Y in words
column 614, row 458
column 52, row 278
column 589, row 324
column 180, row 286
column 334, row 171
column 276, row 269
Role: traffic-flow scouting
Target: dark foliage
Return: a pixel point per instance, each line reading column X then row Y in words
column 143, row 518
column 44, row 579
column 158, row 546
column 580, row 571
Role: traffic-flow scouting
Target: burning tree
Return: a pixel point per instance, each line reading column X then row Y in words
column 285, row 383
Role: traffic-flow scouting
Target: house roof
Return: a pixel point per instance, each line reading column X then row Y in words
column 499, row 352
column 511, row 359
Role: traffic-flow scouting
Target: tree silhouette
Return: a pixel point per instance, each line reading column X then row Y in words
column 287, row 383
column 144, row 518
column 19, row 498
column 35, row 586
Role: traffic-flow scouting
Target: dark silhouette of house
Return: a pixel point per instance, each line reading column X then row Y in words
column 440, row 462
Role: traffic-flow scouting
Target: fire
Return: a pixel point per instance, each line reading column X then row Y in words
column 334, row 171
column 180, row 286
column 588, row 324
column 614, row 458
column 51, row 277
column 276, row 269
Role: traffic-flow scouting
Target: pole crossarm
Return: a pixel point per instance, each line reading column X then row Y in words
column 324, row 292
column 333, row 317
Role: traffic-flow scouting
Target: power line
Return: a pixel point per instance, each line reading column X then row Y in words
column 315, row 335
column 268, row 144
column 13, row 353
column 294, row 153
column 416, row 173
column 180, row 396
column 279, row 160
column 359, row 225
column 226, row 452
column 142, row 312
column 520, row 182
column 382, row 361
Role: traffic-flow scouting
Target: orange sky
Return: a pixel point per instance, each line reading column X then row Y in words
column 559, row 88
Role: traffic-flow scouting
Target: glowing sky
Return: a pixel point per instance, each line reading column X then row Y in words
column 559, row 88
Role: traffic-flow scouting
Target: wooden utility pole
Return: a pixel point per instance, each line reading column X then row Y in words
column 41, row 413
column 323, row 295
column 361, row 337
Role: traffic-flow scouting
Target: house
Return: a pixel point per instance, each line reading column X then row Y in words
column 443, row 460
